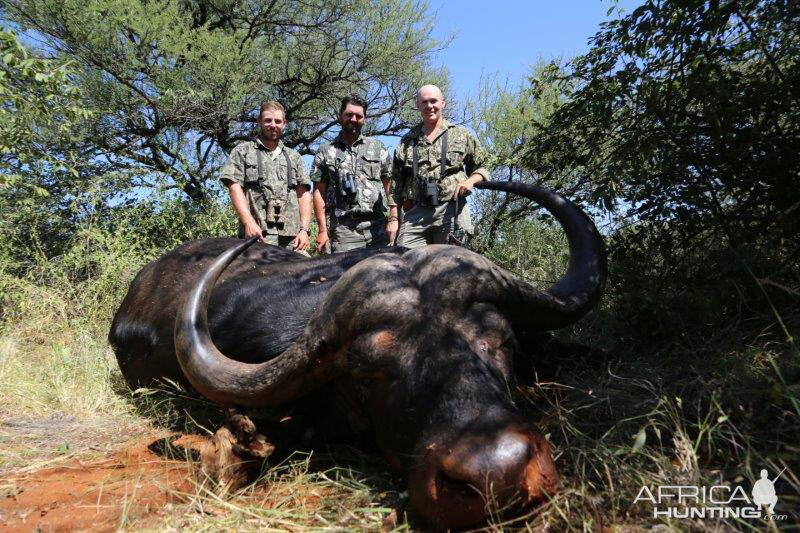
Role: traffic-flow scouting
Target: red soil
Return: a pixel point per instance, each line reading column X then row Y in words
column 133, row 485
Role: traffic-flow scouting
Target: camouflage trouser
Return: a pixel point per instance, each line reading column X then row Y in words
column 284, row 241
column 431, row 225
column 350, row 233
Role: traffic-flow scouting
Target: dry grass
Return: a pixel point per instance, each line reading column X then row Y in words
column 703, row 411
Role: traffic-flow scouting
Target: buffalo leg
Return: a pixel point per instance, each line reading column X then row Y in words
column 235, row 452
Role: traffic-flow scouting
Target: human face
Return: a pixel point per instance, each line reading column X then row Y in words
column 271, row 124
column 430, row 104
column 352, row 119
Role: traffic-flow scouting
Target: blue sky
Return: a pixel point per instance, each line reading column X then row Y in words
column 506, row 37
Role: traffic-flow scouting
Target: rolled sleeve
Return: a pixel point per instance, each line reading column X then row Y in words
column 301, row 177
column 319, row 169
column 398, row 177
column 478, row 160
column 232, row 170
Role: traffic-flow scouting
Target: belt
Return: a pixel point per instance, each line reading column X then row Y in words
column 361, row 217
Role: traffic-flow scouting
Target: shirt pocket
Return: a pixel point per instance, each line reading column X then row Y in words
column 370, row 165
column 250, row 162
column 456, row 152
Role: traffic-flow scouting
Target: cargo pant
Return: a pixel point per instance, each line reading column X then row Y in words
column 350, row 233
column 432, row 224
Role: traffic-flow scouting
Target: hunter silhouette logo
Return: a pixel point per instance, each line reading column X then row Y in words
column 718, row 501
column 764, row 491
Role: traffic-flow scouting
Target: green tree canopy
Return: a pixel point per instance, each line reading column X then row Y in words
column 505, row 120
column 686, row 120
column 175, row 84
column 43, row 161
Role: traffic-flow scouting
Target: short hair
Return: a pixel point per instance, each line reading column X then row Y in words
column 273, row 105
column 417, row 94
column 355, row 100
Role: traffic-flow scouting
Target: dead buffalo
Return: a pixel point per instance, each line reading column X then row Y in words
column 423, row 342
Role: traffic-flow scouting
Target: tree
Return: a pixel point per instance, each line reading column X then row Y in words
column 686, row 123
column 505, row 121
column 176, row 84
column 41, row 150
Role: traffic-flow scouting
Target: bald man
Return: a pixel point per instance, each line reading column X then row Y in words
column 435, row 168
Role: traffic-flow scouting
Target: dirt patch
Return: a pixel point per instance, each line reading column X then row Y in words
column 30, row 443
column 138, row 485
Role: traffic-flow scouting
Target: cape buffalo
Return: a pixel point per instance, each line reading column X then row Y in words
column 424, row 341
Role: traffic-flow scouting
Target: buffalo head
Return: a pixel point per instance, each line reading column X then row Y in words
column 426, row 340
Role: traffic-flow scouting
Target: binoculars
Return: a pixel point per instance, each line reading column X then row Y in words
column 428, row 194
column 274, row 212
column 347, row 184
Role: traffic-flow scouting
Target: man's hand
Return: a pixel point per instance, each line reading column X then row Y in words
column 465, row 187
column 301, row 241
column 322, row 240
column 252, row 229
column 391, row 229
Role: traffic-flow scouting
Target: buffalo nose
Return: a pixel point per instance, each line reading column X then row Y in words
column 508, row 463
column 482, row 471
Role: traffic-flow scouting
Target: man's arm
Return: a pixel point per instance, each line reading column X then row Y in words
column 476, row 163
column 386, row 177
column 302, row 185
column 304, row 203
column 319, row 176
column 320, row 190
column 242, row 208
column 398, row 178
column 232, row 176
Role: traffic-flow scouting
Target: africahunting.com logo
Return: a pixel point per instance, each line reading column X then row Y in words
column 718, row 501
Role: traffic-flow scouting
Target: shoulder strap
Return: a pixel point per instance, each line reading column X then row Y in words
column 443, row 159
column 260, row 159
column 288, row 166
column 415, row 161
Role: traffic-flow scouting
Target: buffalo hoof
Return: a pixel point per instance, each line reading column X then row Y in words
column 234, row 455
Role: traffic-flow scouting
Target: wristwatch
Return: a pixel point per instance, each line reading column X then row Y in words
column 305, row 229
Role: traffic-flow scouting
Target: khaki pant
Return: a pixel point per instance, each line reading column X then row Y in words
column 351, row 233
column 432, row 225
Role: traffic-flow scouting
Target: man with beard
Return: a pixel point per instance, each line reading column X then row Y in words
column 435, row 167
column 353, row 174
column 268, row 184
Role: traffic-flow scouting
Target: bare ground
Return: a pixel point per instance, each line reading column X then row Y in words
column 59, row 474
column 62, row 474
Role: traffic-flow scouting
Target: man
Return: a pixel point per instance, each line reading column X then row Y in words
column 268, row 184
column 354, row 174
column 435, row 167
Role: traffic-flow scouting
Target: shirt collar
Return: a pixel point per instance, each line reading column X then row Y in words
column 420, row 132
column 361, row 139
column 262, row 145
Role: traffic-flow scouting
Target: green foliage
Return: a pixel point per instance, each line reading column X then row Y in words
column 685, row 126
column 41, row 108
column 42, row 120
column 174, row 85
column 505, row 120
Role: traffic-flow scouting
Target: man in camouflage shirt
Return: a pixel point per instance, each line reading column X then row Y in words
column 449, row 162
column 352, row 181
column 269, row 186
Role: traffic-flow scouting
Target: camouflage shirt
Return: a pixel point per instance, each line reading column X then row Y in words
column 368, row 161
column 464, row 158
column 274, row 188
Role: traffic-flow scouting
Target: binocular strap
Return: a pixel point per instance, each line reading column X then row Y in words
column 442, row 159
